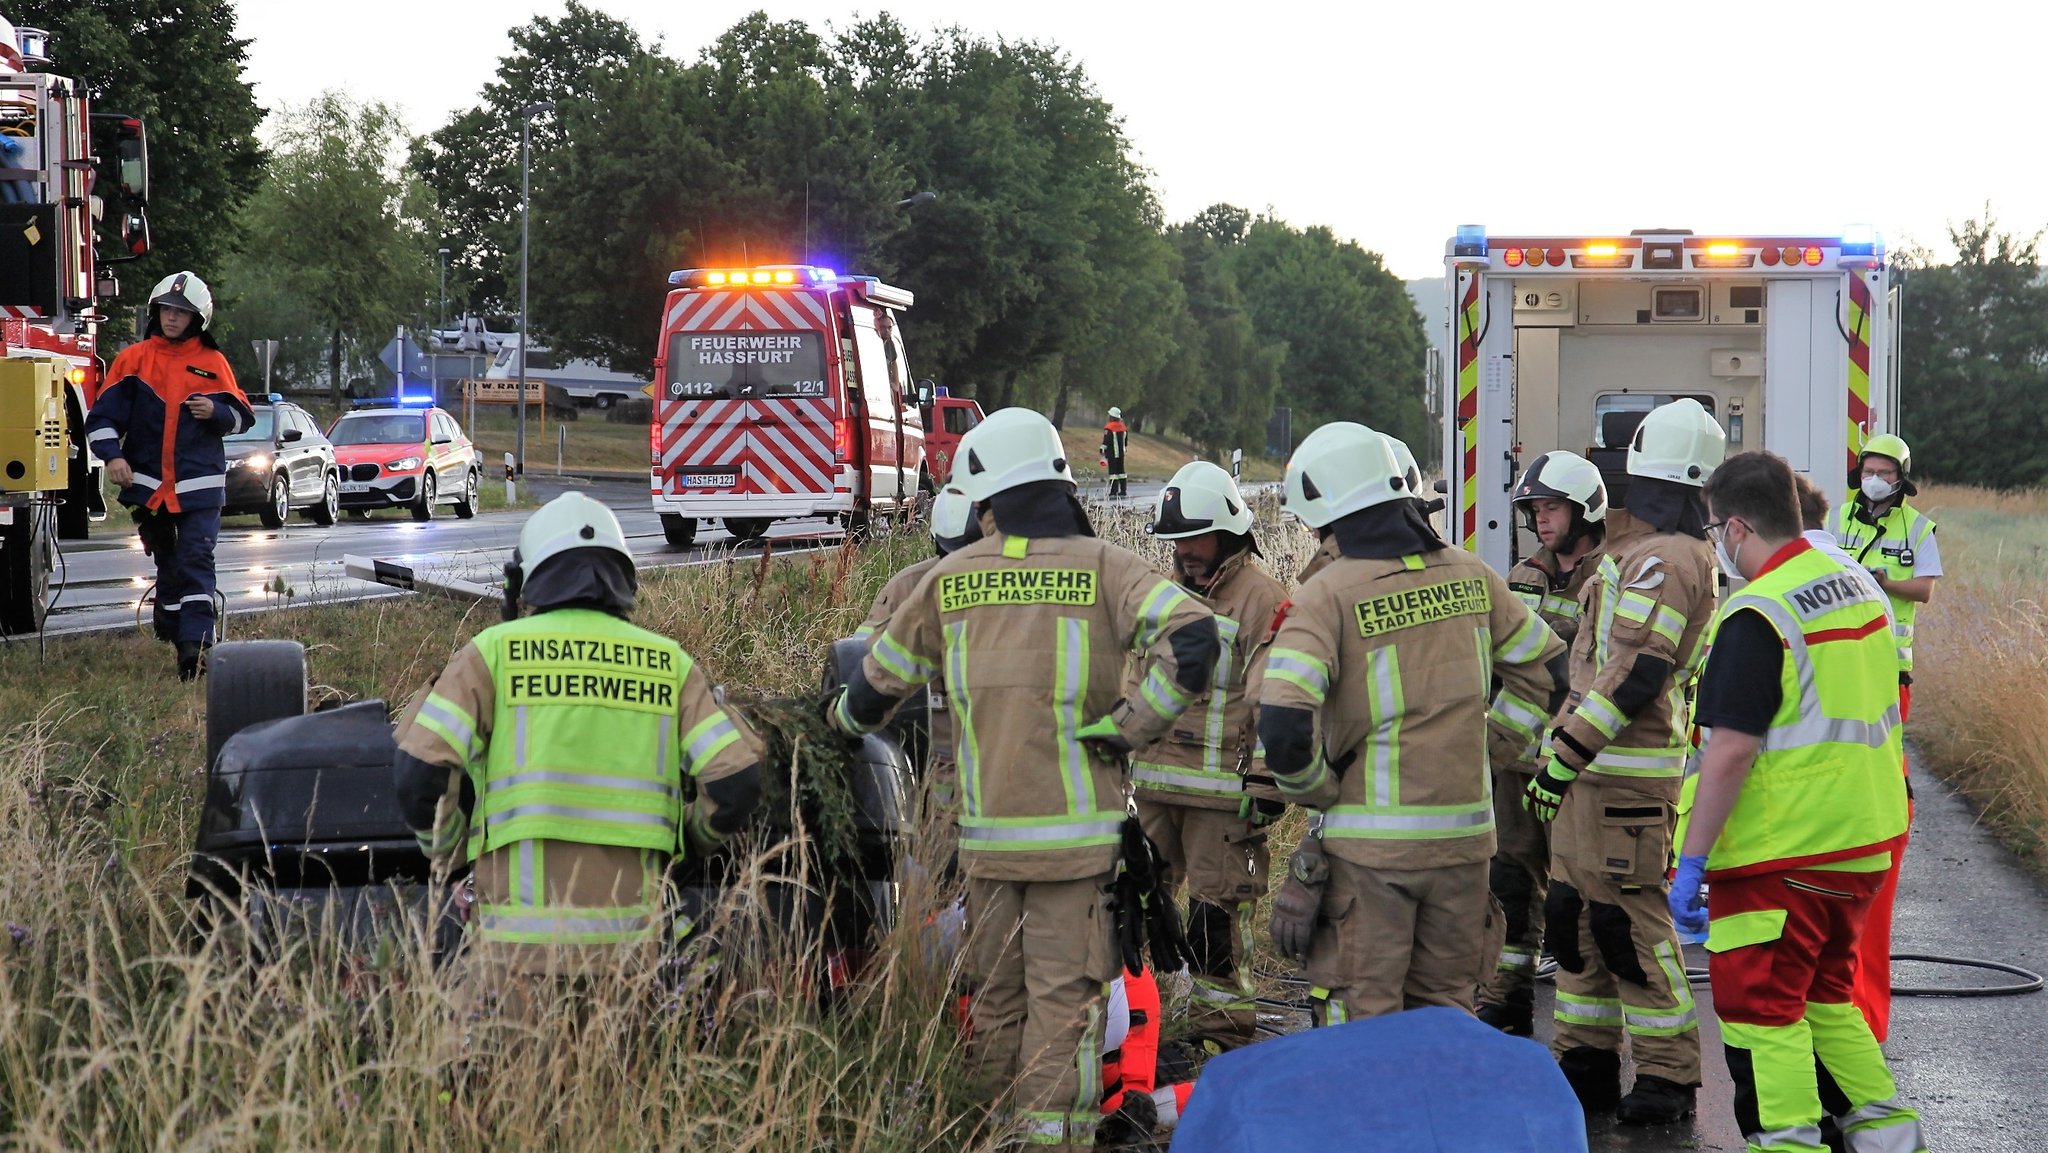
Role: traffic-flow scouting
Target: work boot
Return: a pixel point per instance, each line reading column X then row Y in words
column 1515, row 1016
column 1595, row 1075
column 1132, row 1124
column 1655, row 1101
column 188, row 660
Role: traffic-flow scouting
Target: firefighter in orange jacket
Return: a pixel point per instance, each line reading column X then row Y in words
column 1031, row 626
column 1198, row 796
column 160, row 426
column 1116, row 439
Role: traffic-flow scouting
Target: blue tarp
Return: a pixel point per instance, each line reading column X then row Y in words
column 1425, row 1081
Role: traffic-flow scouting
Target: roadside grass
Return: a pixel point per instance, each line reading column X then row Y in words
column 588, row 442
column 1980, row 676
column 118, row 1031
column 1151, row 457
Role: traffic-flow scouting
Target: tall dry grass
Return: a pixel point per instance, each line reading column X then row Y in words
column 1980, row 678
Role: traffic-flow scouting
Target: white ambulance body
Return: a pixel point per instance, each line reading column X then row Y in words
column 1565, row 342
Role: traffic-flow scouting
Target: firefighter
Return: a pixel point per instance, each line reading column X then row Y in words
column 159, row 427
column 1030, row 626
column 1798, row 808
column 1613, row 763
column 953, row 526
column 1392, row 647
column 551, row 755
column 1564, row 506
column 1198, row 797
column 1116, row 440
column 1895, row 543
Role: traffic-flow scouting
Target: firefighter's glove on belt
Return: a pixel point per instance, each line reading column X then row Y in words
column 1688, row 905
column 1103, row 740
column 1262, row 811
column 1546, row 790
column 1300, row 896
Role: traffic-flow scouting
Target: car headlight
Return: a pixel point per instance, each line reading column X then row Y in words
column 257, row 460
column 404, row 464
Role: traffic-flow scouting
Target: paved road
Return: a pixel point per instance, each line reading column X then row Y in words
column 103, row 579
column 1974, row 1067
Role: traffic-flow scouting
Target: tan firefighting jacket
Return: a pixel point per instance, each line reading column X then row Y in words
column 1651, row 594
column 1535, row 581
column 1203, row 759
column 1032, row 636
column 939, row 723
column 1399, row 657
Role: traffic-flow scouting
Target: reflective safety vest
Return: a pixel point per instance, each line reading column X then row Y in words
column 1825, row 785
column 583, row 734
column 1892, row 544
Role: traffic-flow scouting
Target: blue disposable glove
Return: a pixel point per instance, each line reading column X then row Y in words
column 1688, row 904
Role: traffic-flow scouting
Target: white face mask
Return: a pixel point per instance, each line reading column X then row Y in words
column 1721, row 554
column 1877, row 488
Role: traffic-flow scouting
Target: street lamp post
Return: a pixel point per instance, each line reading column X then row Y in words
column 440, row 326
column 526, row 116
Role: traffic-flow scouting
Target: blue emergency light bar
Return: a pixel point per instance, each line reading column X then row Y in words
column 766, row 276
column 403, row 400
column 1471, row 240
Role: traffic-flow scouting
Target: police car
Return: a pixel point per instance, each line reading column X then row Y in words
column 410, row 455
column 281, row 463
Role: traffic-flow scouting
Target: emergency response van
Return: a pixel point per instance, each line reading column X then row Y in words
column 783, row 391
column 1568, row 341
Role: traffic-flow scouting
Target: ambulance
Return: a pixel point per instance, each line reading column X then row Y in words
column 782, row 392
column 1567, row 341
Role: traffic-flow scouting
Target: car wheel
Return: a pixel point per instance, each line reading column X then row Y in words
column 423, row 508
column 329, row 508
column 278, row 507
column 681, row 531
column 602, row 402
column 248, row 682
column 465, row 504
column 360, row 513
column 746, row 528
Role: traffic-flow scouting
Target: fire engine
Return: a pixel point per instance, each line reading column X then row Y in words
column 54, row 200
column 783, row 391
column 1567, row 341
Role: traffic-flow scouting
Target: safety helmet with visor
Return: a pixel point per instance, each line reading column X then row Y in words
column 184, row 290
column 1565, row 476
column 1201, row 498
column 1010, row 448
column 1680, row 442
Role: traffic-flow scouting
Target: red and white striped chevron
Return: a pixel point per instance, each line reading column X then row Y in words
column 20, row 311
column 778, row 445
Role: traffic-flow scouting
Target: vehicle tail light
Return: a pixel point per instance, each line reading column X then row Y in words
column 653, row 444
column 1513, row 257
column 842, row 440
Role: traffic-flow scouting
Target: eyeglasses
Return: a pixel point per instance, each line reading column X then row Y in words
column 1713, row 528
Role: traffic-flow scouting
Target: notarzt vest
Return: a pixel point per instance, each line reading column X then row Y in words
column 583, row 742
column 1825, row 786
column 1891, row 545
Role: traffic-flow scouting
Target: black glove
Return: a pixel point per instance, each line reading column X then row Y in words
column 1148, row 912
column 1299, row 899
column 1263, row 811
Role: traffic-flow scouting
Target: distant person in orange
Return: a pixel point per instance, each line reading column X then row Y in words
column 1116, row 440
column 160, row 426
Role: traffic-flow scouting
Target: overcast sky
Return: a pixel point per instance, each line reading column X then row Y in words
column 1394, row 122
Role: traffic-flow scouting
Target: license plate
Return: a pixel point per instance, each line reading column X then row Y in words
column 729, row 478
column 354, row 486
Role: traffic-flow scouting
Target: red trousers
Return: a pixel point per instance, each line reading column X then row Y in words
column 1873, row 990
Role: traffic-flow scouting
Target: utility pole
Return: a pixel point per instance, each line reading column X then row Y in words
column 526, row 116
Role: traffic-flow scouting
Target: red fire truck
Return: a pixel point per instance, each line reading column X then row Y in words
column 779, row 392
column 54, row 190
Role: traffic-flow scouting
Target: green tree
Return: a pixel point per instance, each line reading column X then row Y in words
column 339, row 231
column 1356, row 347
column 177, row 66
column 472, row 162
column 1974, row 359
column 1233, row 381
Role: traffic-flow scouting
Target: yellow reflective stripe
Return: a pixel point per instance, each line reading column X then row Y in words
column 711, row 736
column 449, row 721
column 1526, row 643
column 1634, row 606
column 1310, row 779
column 966, row 752
column 901, row 662
column 1179, row 779
column 1604, row 715
column 1591, row 1012
column 1159, row 607
column 1383, row 679
column 1413, row 822
column 1069, row 689
column 1639, row 762
column 1035, row 834
column 1516, row 714
column 1301, row 670
column 1161, row 692
column 1560, row 606
column 543, row 925
column 1669, row 623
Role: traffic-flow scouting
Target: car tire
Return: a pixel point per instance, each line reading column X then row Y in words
column 277, row 507
column 27, row 557
column 747, row 527
column 329, row 508
column 466, row 504
column 423, row 508
column 248, row 682
column 681, row 531
column 360, row 513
